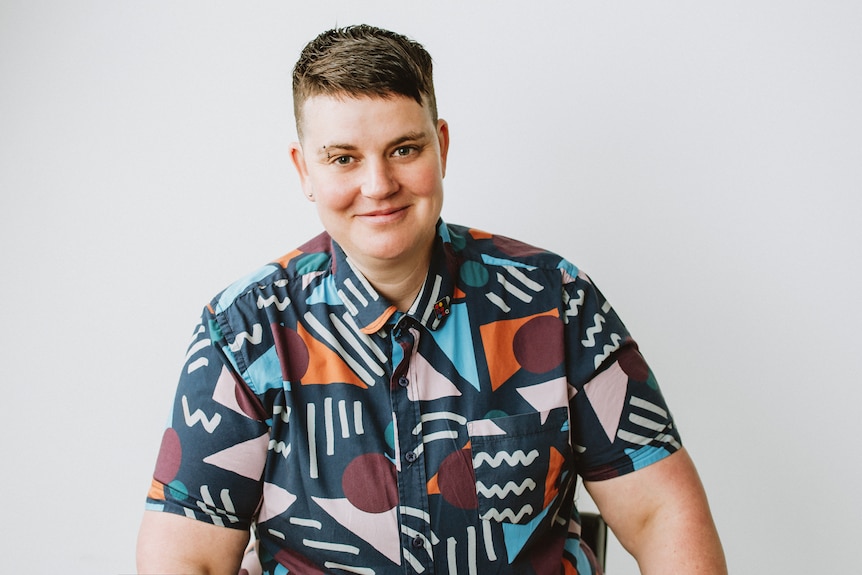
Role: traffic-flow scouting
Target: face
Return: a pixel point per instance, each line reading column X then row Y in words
column 374, row 168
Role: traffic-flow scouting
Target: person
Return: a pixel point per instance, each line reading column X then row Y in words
column 404, row 395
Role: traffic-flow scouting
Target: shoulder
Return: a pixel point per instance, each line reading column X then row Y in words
column 281, row 275
column 490, row 249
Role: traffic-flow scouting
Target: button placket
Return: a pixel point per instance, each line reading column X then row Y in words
column 412, row 476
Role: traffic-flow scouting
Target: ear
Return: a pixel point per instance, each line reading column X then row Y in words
column 443, row 139
column 298, row 159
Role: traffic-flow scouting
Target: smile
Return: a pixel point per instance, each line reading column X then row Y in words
column 383, row 216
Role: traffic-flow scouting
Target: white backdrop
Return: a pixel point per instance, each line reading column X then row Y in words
column 702, row 161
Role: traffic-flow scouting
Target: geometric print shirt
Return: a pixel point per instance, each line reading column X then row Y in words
column 354, row 438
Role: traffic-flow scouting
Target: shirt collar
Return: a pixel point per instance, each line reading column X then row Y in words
column 371, row 311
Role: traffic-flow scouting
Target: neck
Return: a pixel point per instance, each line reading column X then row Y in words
column 398, row 282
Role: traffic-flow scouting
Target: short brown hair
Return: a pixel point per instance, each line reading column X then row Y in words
column 363, row 60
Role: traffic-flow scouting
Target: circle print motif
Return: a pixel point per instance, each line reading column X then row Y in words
column 293, row 353
column 474, row 274
column 369, row 483
column 456, row 481
column 634, row 365
column 537, row 344
column 170, row 456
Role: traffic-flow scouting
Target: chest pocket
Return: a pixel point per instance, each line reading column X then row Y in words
column 518, row 462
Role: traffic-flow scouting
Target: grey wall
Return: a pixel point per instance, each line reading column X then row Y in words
column 702, row 161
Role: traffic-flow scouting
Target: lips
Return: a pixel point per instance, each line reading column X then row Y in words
column 383, row 215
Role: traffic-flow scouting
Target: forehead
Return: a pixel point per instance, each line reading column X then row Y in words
column 346, row 117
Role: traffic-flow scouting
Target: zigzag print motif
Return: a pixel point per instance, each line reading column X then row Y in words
column 502, row 492
column 192, row 419
column 255, row 338
column 266, row 302
column 590, row 341
column 507, row 514
column 512, row 459
column 573, row 304
column 280, row 447
column 608, row 349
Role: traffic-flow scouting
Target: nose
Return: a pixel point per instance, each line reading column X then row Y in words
column 379, row 181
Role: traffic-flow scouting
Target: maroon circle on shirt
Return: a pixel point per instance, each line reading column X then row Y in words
column 369, row 483
column 531, row 347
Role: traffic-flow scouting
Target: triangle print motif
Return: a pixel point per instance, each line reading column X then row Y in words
column 546, row 396
column 380, row 530
column 325, row 365
column 431, row 383
column 276, row 500
column 499, row 340
column 607, row 395
column 246, row 458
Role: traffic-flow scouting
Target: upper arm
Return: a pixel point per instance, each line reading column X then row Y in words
column 660, row 512
column 170, row 543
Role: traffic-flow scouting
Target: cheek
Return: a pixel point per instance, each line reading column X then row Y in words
column 426, row 183
column 332, row 194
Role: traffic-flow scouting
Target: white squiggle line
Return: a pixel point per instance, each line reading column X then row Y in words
column 280, row 447
column 609, row 349
column 512, row 459
column 591, row 332
column 508, row 514
column 254, row 339
column 574, row 304
column 199, row 416
column 501, row 492
column 279, row 305
column 283, row 412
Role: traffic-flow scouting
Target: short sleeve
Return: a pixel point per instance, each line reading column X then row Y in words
column 213, row 450
column 620, row 420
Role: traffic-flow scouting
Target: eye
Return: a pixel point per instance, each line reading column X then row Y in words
column 403, row 151
column 342, row 160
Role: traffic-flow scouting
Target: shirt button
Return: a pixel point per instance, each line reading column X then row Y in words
column 410, row 456
column 417, row 542
column 403, row 381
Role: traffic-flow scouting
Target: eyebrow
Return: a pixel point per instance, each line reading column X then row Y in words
column 326, row 149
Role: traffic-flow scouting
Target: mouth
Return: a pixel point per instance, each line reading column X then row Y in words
column 383, row 216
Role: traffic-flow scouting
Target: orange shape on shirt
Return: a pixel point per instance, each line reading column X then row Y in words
column 498, row 338
column 555, row 466
column 324, row 365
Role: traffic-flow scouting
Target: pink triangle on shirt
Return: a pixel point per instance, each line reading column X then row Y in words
column 246, row 458
column 546, row 396
column 607, row 394
column 428, row 383
column 380, row 530
column 276, row 500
